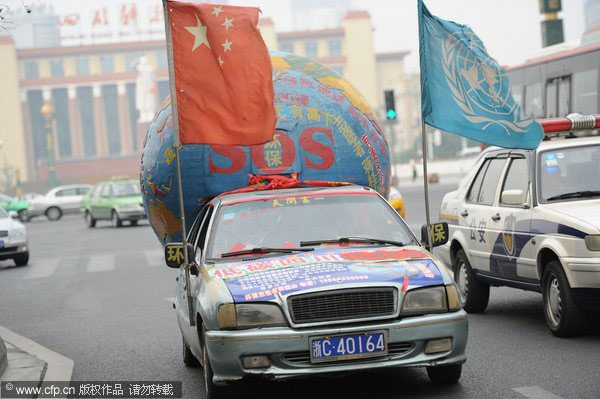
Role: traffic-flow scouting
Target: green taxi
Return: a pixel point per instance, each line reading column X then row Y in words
column 12, row 204
column 116, row 200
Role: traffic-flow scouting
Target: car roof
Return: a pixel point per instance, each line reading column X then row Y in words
column 70, row 186
column 563, row 142
column 257, row 195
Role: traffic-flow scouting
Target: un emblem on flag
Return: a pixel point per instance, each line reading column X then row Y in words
column 479, row 85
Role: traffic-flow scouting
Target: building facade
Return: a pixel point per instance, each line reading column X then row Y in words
column 92, row 89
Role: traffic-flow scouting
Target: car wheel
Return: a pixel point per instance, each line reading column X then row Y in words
column 564, row 316
column 444, row 374
column 22, row 259
column 188, row 357
column 474, row 294
column 53, row 213
column 24, row 215
column 89, row 220
column 211, row 390
column 116, row 220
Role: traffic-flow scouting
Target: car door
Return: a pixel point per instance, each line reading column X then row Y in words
column 477, row 211
column 68, row 200
column 512, row 257
column 196, row 237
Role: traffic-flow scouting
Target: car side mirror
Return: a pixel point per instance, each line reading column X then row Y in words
column 514, row 197
column 174, row 256
column 439, row 234
column 13, row 214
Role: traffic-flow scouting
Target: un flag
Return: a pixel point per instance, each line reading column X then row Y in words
column 464, row 90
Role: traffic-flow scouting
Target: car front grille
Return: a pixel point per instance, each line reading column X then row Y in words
column 346, row 304
column 303, row 358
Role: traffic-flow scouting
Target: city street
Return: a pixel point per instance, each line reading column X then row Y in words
column 103, row 298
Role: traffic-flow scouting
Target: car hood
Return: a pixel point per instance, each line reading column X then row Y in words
column 586, row 211
column 9, row 224
column 262, row 279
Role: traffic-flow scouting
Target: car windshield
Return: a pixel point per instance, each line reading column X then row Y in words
column 569, row 173
column 285, row 221
column 126, row 189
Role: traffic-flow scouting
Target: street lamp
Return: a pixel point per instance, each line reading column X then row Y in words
column 48, row 113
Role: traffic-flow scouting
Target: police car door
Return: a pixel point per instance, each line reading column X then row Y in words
column 510, row 245
column 478, row 210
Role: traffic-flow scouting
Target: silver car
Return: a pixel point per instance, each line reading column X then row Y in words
column 307, row 281
column 59, row 201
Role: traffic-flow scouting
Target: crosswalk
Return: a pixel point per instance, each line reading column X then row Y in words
column 101, row 263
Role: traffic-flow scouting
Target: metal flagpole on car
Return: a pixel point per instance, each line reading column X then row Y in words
column 177, row 142
column 426, row 182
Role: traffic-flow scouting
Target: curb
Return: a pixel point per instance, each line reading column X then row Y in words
column 3, row 357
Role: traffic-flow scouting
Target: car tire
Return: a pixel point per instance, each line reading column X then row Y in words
column 53, row 213
column 116, row 220
column 22, row 259
column 211, row 390
column 474, row 294
column 90, row 222
column 449, row 374
column 24, row 215
column 564, row 317
column 188, row 357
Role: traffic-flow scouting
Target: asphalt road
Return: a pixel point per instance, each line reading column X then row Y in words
column 102, row 297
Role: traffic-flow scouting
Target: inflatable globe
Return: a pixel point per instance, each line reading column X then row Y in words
column 325, row 131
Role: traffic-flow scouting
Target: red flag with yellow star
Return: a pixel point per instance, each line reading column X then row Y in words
column 222, row 72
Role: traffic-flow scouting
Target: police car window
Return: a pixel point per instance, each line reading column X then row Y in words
column 474, row 191
column 487, row 193
column 517, row 177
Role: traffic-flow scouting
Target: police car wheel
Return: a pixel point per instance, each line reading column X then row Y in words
column 188, row 357
column 474, row 295
column 445, row 374
column 564, row 317
column 211, row 390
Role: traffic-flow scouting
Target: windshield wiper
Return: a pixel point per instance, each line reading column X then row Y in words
column 575, row 194
column 264, row 250
column 346, row 240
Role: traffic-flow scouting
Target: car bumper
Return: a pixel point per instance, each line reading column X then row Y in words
column 285, row 346
column 13, row 248
column 582, row 272
column 131, row 214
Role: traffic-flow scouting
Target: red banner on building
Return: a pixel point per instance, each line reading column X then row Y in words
column 222, row 72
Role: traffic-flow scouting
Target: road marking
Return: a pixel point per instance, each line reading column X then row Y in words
column 535, row 392
column 101, row 263
column 59, row 368
column 154, row 257
column 41, row 269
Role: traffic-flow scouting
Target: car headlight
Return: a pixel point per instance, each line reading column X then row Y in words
column 18, row 233
column 425, row 300
column 592, row 242
column 247, row 315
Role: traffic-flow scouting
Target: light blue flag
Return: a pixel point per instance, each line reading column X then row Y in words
column 464, row 90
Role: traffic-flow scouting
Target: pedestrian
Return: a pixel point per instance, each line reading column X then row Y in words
column 413, row 166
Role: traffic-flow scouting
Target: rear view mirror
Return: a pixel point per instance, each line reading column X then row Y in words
column 174, row 256
column 513, row 197
column 439, row 234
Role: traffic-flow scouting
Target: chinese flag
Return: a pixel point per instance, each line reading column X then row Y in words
column 222, row 75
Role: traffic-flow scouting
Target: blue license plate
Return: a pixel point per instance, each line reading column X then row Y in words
column 347, row 347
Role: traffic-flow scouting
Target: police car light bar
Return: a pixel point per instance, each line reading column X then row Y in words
column 570, row 123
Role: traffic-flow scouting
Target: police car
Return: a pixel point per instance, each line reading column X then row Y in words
column 530, row 220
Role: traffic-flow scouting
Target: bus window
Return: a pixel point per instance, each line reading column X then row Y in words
column 585, row 95
column 564, row 96
column 533, row 100
column 551, row 94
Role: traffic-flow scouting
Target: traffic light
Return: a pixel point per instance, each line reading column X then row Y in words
column 390, row 105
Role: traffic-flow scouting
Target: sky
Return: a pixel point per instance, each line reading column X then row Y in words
column 510, row 29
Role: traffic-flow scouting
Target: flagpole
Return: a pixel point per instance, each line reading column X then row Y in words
column 177, row 144
column 426, row 181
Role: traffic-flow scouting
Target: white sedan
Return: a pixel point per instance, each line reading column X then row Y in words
column 13, row 240
column 59, row 201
